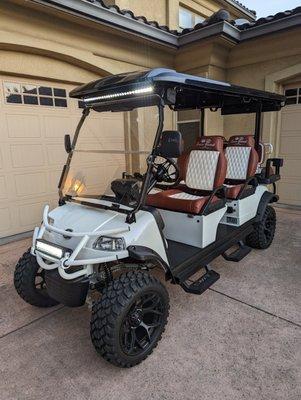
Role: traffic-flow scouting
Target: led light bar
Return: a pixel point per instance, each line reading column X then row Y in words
column 50, row 249
column 144, row 90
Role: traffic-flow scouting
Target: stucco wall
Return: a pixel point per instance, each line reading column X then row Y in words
column 67, row 39
column 257, row 64
column 70, row 49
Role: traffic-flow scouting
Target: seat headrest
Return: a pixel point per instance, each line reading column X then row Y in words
column 242, row 141
column 214, row 143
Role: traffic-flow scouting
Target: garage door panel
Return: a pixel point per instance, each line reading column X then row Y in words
column 27, row 155
column 54, row 177
column 5, row 219
column 290, row 192
column 31, row 184
column 58, row 126
column 30, row 214
column 92, row 128
column 1, row 157
column 23, row 126
column 32, row 152
column 291, row 145
column 3, row 188
column 113, row 128
column 291, row 169
column 56, row 154
column 291, row 119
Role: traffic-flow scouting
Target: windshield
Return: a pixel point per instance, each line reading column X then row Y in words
column 112, row 146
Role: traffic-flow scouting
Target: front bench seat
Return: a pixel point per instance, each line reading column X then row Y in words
column 204, row 169
column 242, row 161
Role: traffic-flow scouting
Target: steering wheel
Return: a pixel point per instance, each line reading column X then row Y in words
column 165, row 170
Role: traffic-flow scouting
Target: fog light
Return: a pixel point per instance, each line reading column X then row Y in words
column 51, row 249
column 106, row 243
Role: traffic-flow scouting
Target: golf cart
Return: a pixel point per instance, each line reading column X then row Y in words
column 186, row 209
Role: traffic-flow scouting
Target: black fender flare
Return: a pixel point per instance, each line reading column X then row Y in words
column 266, row 199
column 144, row 254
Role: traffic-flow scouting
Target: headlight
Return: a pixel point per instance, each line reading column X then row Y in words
column 107, row 243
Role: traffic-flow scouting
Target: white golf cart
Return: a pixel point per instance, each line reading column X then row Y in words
column 187, row 209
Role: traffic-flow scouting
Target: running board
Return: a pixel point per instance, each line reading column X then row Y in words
column 237, row 255
column 202, row 284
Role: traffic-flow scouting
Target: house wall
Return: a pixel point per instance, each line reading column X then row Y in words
column 42, row 45
column 256, row 64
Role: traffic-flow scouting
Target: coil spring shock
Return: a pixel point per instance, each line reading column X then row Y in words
column 108, row 274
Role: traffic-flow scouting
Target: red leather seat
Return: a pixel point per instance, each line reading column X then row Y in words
column 242, row 161
column 203, row 169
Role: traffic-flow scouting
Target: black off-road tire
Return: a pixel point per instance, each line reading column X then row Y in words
column 26, row 272
column 112, row 311
column 264, row 231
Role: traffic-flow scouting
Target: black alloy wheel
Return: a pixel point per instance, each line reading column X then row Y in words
column 129, row 319
column 141, row 325
column 264, row 230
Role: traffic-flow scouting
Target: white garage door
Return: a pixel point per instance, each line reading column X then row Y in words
column 34, row 117
column 290, row 147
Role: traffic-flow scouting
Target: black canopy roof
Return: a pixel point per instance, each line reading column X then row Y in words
column 180, row 91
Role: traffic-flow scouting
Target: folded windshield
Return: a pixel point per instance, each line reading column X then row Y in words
column 112, row 146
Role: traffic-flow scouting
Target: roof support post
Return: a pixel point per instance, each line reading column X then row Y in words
column 202, row 122
column 258, row 125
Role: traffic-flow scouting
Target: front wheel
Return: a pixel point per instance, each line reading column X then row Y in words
column 264, row 231
column 129, row 319
column 29, row 281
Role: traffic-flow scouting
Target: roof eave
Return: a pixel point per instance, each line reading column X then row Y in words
column 109, row 18
column 122, row 23
column 242, row 9
column 212, row 30
column 271, row 27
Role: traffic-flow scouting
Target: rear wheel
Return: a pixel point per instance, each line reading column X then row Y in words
column 129, row 319
column 29, row 281
column 264, row 231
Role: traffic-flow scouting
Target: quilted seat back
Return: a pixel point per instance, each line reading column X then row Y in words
column 206, row 164
column 242, row 157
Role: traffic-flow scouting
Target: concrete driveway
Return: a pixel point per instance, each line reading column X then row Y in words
column 239, row 340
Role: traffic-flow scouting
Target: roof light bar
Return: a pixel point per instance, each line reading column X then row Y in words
column 144, row 90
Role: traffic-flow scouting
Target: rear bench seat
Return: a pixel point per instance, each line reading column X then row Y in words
column 242, row 161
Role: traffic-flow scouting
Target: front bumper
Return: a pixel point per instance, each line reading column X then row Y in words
column 74, row 258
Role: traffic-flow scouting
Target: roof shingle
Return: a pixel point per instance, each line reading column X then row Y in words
column 219, row 16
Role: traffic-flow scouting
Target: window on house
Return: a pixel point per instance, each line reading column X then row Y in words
column 29, row 94
column 188, row 19
column 293, row 96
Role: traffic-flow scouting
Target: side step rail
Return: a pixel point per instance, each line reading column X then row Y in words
column 238, row 254
column 202, row 284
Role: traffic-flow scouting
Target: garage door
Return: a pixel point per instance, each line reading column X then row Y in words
column 290, row 147
column 34, row 117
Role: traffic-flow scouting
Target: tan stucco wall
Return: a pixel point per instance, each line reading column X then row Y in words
column 30, row 31
column 70, row 49
column 267, row 64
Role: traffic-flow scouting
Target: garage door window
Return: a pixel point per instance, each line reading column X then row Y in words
column 293, row 96
column 28, row 94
